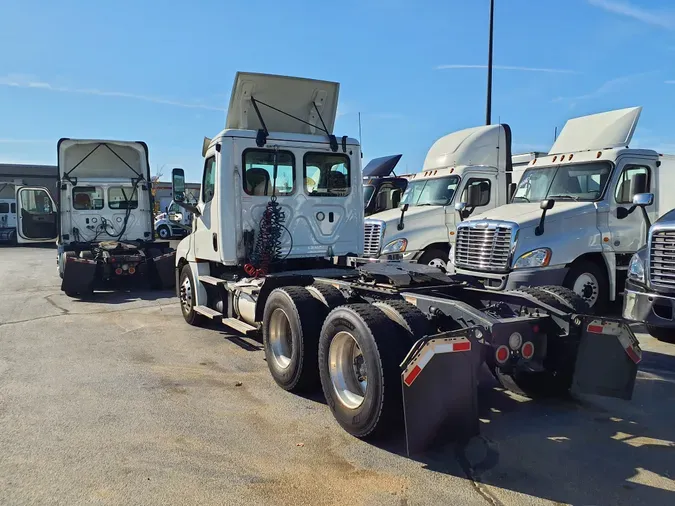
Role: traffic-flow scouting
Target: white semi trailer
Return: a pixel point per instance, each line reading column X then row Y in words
column 280, row 212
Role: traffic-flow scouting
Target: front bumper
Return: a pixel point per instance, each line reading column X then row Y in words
column 513, row 280
column 642, row 305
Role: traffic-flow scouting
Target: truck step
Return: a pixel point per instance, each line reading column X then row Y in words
column 238, row 325
column 208, row 312
column 211, row 280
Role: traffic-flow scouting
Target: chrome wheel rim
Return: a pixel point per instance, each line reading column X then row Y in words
column 186, row 295
column 281, row 338
column 347, row 368
column 163, row 233
column 438, row 262
column 588, row 288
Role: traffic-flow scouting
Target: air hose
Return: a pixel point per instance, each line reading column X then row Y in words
column 267, row 247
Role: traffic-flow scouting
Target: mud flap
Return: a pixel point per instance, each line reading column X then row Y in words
column 439, row 382
column 607, row 360
column 79, row 275
column 164, row 267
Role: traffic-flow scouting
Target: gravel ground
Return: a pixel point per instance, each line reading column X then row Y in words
column 118, row 401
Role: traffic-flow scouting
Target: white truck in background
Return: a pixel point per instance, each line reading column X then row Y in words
column 420, row 231
column 7, row 219
column 173, row 222
column 571, row 221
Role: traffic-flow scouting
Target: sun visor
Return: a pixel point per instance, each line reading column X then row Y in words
column 293, row 95
column 488, row 145
column 102, row 159
column 383, row 166
column 610, row 129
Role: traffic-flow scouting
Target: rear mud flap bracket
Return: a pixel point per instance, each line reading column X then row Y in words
column 607, row 360
column 439, row 381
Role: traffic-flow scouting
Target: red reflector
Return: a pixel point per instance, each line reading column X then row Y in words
column 527, row 350
column 535, row 328
column 461, row 346
column 118, row 271
column 113, row 260
column 596, row 329
column 413, row 374
column 502, row 354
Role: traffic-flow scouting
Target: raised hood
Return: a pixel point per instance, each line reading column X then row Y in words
column 612, row 129
column 380, row 167
column 296, row 96
column 485, row 145
column 88, row 158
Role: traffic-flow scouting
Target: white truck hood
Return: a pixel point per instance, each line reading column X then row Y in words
column 528, row 214
column 91, row 159
column 413, row 214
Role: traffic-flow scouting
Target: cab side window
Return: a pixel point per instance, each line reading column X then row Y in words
column 622, row 195
column 485, row 188
column 209, row 179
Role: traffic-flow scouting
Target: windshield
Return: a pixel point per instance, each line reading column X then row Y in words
column 584, row 181
column 367, row 193
column 430, row 192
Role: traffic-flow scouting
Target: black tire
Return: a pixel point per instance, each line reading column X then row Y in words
column 578, row 269
column 383, row 347
column 187, row 298
column 405, row 315
column 166, row 230
column 330, row 296
column 301, row 315
column 432, row 255
column 662, row 333
column 66, row 255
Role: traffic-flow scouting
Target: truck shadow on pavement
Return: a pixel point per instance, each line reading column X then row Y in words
column 590, row 451
column 124, row 296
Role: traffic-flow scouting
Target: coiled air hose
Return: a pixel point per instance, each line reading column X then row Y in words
column 267, row 249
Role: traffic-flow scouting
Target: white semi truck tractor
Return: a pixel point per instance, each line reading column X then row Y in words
column 571, row 221
column 389, row 344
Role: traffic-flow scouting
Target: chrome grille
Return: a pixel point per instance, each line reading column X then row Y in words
column 373, row 230
column 662, row 258
column 484, row 246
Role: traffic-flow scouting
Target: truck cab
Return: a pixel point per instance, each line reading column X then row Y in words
column 427, row 219
column 381, row 190
column 570, row 222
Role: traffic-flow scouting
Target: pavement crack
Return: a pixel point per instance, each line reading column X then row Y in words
column 60, row 308
column 473, row 471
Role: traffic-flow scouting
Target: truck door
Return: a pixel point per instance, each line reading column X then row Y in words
column 205, row 235
column 37, row 215
column 627, row 235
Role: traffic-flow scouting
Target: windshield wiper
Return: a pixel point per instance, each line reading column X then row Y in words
column 573, row 197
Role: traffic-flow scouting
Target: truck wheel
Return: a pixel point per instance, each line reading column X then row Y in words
column 360, row 350
column 589, row 281
column 291, row 326
column 435, row 257
column 407, row 316
column 330, row 296
column 661, row 333
column 164, row 232
column 187, row 298
column 63, row 258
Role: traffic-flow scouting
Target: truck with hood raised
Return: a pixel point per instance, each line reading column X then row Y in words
column 571, row 220
column 382, row 190
column 103, row 226
column 476, row 160
column 390, row 344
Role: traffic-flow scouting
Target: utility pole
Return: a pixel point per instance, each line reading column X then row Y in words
column 488, row 109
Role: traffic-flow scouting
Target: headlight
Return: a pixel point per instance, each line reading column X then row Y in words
column 397, row 246
column 636, row 269
column 535, row 258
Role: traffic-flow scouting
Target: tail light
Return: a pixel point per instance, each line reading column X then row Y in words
column 527, row 351
column 502, row 354
column 118, row 271
column 132, row 270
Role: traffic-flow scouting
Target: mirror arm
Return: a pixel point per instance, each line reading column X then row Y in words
column 645, row 215
column 540, row 228
column 190, row 208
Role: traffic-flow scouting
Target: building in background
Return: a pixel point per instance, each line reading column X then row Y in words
column 28, row 175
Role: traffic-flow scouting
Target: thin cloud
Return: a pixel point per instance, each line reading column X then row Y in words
column 19, row 81
column 507, row 67
column 669, row 82
column 26, row 141
column 663, row 19
column 611, row 86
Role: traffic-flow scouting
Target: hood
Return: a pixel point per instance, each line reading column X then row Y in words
column 86, row 159
column 413, row 213
column 528, row 214
column 382, row 166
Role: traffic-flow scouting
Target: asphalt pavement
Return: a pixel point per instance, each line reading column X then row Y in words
column 116, row 400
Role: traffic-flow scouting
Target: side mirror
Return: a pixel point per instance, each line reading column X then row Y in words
column 473, row 195
column 547, row 204
column 404, row 207
column 638, row 184
column 643, row 199
column 460, row 206
column 381, row 201
column 178, row 184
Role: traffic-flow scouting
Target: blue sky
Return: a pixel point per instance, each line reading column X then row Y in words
column 162, row 71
